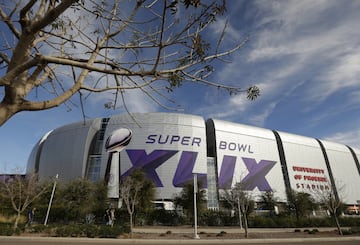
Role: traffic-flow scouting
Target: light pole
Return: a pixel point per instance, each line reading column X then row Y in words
column 196, row 236
column 51, row 199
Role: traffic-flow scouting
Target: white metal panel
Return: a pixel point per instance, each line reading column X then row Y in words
column 65, row 151
column 31, row 164
column 306, row 164
column 256, row 157
column 345, row 172
column 244, row 129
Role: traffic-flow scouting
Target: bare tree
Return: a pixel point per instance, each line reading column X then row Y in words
column 22, row 191
column 330, row 198
column 135, row 191
column 241, row 200
column 52, row 50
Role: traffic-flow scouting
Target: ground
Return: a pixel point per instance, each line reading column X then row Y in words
column 230, row 233
column 183, row 232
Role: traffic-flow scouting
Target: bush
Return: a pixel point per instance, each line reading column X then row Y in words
column 90, row 230
column 210, row 218
column 351, row 231
column 39, row 228
column 6, row 229
column 355, row 230
column 164, row 217
column 109, row 232
column 346, row 232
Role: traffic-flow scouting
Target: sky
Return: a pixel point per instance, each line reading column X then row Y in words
column 303, row 55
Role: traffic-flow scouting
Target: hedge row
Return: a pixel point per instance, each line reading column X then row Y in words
column 74, row 230
column 215, row 218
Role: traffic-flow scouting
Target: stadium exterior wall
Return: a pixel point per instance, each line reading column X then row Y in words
column 172, row 147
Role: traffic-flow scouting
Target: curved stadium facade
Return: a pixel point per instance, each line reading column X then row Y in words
column 171, row 148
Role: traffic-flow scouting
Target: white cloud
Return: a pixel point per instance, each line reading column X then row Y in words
column 135, row 101
column 350, row 138
column 259, row 119
column 344, row 73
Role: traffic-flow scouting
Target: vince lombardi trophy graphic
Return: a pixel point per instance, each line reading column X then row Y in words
column 115, row 143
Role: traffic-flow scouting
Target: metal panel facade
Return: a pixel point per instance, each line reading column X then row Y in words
column 248, row 155
column 169, row 147
column 346, row 175
column 306, row 164
column 65, row 151
column 172, row 147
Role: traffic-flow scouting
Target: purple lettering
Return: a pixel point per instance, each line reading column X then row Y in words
column 174, row 138
column 151, row 139
column 185, row 140
column 148, row 162
column 227, row 172
column 232, row 146
column 222, row 145
column 196, row 141
column 257, row 173
column 184, row 170
column 164, row 141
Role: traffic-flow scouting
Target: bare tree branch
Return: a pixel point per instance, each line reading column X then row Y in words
column 69, row 46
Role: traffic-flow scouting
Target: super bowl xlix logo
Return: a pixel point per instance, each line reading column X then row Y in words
column 256, row 176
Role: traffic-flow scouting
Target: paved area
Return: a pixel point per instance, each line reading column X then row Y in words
column 209, row 229
column 98, row 241
column 189, row 230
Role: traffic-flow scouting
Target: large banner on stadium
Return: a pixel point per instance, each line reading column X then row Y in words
column 250, row 156
column 170, row 148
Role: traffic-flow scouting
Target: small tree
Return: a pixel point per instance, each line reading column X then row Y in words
column 300, row 202
column 22, row 191
column 186, row 199
column 242, row 201
column 330, row 199
column 268, row 201
column 136, row 191
column 81, row 197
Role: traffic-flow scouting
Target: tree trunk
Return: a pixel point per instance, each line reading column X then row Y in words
column 17, row 220
column 338, row 225
column 131, row 225
column 246, row 225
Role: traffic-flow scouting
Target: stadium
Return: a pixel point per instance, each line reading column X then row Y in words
column 171, row 148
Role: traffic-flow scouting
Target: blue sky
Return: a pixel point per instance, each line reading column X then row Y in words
column 303, row 55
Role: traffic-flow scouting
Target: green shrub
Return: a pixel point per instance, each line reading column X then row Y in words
column 109, row 232
column 164, row 217
column 355, row 230
column 39, row 228
column 346, row 232
column 90, row 230
column 6, row 229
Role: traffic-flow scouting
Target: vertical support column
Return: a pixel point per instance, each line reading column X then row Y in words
column 196, row 236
